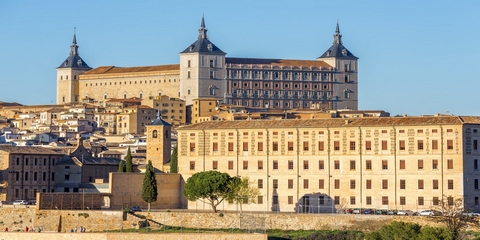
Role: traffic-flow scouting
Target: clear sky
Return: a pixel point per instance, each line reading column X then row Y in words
column 416, row 57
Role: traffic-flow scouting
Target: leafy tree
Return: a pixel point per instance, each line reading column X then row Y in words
column 149, row 186
column 395, row 230
column 453, row 214
column 431, row 233
column 121, row 167
column 243, row 191
column 211, row 187
column 128, row 161
column 174, row 160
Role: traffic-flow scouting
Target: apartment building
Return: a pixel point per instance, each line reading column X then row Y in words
column 322, row 165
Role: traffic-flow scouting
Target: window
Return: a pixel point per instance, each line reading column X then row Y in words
column 420, row 184
column 192, row 147
column 420, row 164
column 368, row 145
column 230, row 146
column 450, row 184
column 336, row 145
column 475, row 164
column 385, row 164
column 290, row 146
column 321, row 200
column 434, row 144
column 290, row 164
column 402, row 183
column 305, row 183
column 275, row 200
column 337, row 184
column 476, row 201
column 192, row 165
column 435, row 201
column 401, row 143
column 385, row 200
column 368, row 165
column 449, row 144
column 384, row 145
column 336, row 199
column 402, row 164
column 275, row 183
column 368, row 200
column 215, row 165
column 435, row 184
column 260, row 146
column 321, row 184
column 420, row 131
column 245, row 146
column 450, row 201
column 352, row 200
column 290, row 199
column 420, row 144
column 305, row 146
column 352, row 165
column 449, row 163
column 337, row 164
column 402, row 201
column 154, row 134
column 475, row 184
column 290, row 183
column 67, row 177
column 260, row 164
column 305, row 164
column 260, row 183
column 475, row 144
column 449, row 130
column 260, row 200
column 368, row 184
column 321, row 146
column 434, row 163
column 420, row 201
column 352, row 145
column 215, row 147
column 385, row 184
column 275, row 146
column 321, row 164
column 352, row 184
column 245, row 165
column 230, row 165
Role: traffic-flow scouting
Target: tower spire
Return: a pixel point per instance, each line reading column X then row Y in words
column 337, row 37
column 202, row 32
column 74, row 46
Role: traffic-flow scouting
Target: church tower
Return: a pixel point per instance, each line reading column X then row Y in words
column 159, row 143
column 345, row 66
column 67, row 75
column 202, row 69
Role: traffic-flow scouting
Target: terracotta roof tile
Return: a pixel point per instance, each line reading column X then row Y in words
column 117, row 70
column 28, row 150
column 278, row 62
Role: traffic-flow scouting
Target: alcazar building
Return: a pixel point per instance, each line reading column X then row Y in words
column 330, row 82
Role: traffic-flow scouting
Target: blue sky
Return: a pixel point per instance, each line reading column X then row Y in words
column 416, row 57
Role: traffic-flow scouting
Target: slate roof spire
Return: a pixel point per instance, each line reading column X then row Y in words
column 74, row 60
column 74, row 46
column 203, row 45
column 202, row 32
column 337, row 37
column 337, row 50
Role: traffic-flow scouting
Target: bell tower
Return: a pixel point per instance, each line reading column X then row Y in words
column 159, row 143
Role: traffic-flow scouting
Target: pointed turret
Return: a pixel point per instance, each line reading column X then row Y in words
column 202, row 32
column 337, row 50
column 337, row 37
column 74, row 60
column 203, row 44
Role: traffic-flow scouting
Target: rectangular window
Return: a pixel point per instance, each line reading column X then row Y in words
column 192, row 165
column 321, row 184
column 420, row 184
column 368, row 165
column 260, row 146
column 337, row 164
column 230, row 146
column 420, row 201
column 260, row 165
column 435, row 184
column 305, row 146
column 305, row 183
column 434, row 144
column 435, row 201
column 352, row 184
column 260, row 183
column 337, row 183
column 245, row 146
column 384, row 145
column 434, row 163
column 321, row 164
column 321, row 200
column 192, row 147
column 475, row 184
column 384, row 164
column 275, row 200
column 275, row 183
column 337, row 199
column 290, row 164
column 215, row 165
column 353, row 200
column 475, row 144
column 290, row 199
column 402, row 164
column 449, row 144
column 290, row 183
column 260, row 200
column 402, row 184
column 450, row 201
column 368, row 199
column 352, row 165
column 420, row 164
column 321, row 146
column 385, row 200
column 450, row 163
column 450, row 184
column 402, row 201
column 385, row 184
column 215, row 147
column 420, row 144
column 230, row 165
column 336, row 145
column 290, row 146
column 402, row 144
column 275, row 164
column 305, row 164
column 245, row 165
column 475, row 164
column 352, row 145
column 368, row 145
column 476, row 201
column 368, row 184
column 275, row 146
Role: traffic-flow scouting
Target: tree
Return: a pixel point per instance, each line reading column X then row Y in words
column 211, row 187
column 149, row 186
column 128, row 161
column 121, row 166
column 453, row 214
column 243, row 191
column 174, row 160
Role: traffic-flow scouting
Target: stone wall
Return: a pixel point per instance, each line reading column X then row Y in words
column 71, row 201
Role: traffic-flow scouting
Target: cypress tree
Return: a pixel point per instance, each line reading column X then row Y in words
column 121, row 166
column 149, row 186
column 128, row 160
column 174, row 160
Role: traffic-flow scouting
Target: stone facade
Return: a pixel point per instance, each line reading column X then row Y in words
column 325, row 165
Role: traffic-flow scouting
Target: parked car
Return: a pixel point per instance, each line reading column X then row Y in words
column 369, row 211
column 348, row 210
column 136, row 209
column 20, row 202
column 406, row 212
column 474, row 214
column 429, row 213
column 32, row 202
column 391, row 212
column 381, row 212
column 356, row 211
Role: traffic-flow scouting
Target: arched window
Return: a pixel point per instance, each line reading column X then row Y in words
column 154, row 134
